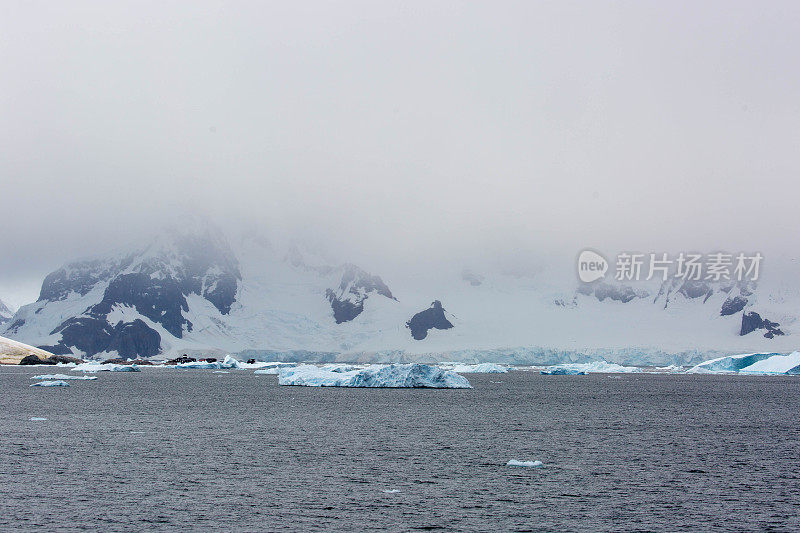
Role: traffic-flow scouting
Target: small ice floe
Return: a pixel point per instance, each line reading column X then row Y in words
column 61, row 376
column 37, row 419
column 58, row 383
column 220, row 372
column 105, row 367
column 391, row 491
column 525, row 464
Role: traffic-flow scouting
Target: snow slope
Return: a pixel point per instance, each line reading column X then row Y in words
column 12, row 352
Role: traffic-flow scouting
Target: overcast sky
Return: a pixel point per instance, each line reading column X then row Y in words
column 396, row 129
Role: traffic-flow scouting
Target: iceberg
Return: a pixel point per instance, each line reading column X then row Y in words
column 104, row 367
column 751, row 363
column 37, row 419
column 61, row 376
column 58, row 383
column 412, row 375
column 602, row 367
column 526, row 464
column 481, row 368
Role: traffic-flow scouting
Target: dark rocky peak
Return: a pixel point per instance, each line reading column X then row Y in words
column 357, row 281
column 200, row 263
column 431, row 318
column 356, row 285
column 156, row 283
column 752, row 321
column 613, row 291
column 733, row 305
column 81, row 276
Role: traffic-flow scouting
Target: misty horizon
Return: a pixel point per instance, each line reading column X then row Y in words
column 393, row 134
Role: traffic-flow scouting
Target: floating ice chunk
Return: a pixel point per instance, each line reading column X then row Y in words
column 751, row 363
column 397, row 376
column 61, row 376
column 230, row 362
column 602, row 367
column 37, row 419
column 391, row 491
column 105, row 367
column 527, row 464
column 58, row 383
column 220, row 372
column 481, row 368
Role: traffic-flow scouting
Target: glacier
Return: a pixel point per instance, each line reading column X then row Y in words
column 414, row 375
column 58, row 383
column 751, row 363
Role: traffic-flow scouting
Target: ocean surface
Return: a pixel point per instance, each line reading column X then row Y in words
column 193, row 450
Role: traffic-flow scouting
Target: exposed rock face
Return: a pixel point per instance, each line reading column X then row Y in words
column 52, row 360
column 93, row 335
column 602, row 290
column 733, row 305
column 737, row 292
column 753, row 321
column 33, row 360
column 431, row 318
column 347, row 302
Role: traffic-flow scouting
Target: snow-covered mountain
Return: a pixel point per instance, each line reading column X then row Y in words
column 198, row 291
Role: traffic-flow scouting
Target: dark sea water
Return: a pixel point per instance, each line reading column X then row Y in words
column 191, row 450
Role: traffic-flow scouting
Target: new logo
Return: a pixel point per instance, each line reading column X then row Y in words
column 591, row 266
